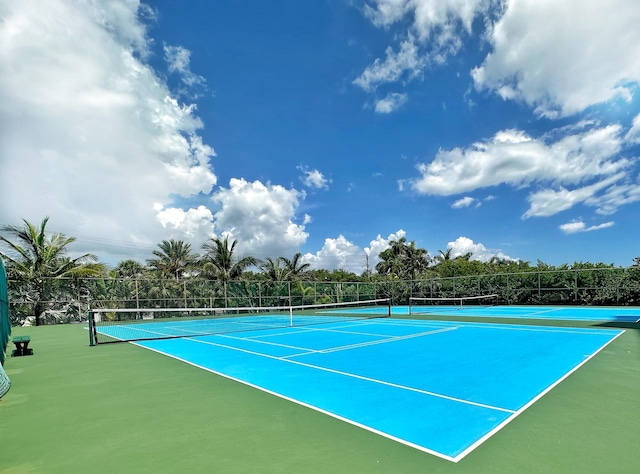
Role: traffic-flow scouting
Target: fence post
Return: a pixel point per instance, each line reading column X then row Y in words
column 92, row 341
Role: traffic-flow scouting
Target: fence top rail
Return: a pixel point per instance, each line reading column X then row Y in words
column 196, row 279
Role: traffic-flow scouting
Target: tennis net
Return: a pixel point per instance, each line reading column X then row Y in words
column 443, row 304
column 136, row 324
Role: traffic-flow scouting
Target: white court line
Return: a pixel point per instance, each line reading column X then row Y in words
column 266, row 343
column 259, row 338
column 308, row 405
column 551, row 310
column 360, row 377
column 381, row 341
column 532, row 401
column 197, row 328
column 180, row 332
column 308, row 350
column 501, row 327
column 455, row 459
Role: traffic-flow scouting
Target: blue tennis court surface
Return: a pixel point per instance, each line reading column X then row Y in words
column 442, row 387
column 559, row 313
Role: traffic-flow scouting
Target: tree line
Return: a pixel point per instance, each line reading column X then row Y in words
column 36, row 262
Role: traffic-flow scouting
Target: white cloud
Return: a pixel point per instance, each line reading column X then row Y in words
column 178, row 59
column 548, row 202
column 438, row 22
column 515, row 158
column 342, row 254
column 89, row 127
column 391, row 103
column 463, row 202
column 579, row 226
column 379, row 245
column 314, row 178
column 561, row 57
column 338, row 254
column 613, row 197
column 395, row 65
column 557, row 57
column 633, row 135
column 261, row 216
column 386, row 12
column 512, row 157
column 464, row 245
column 436, row 32
column 195, row 224
column 440, row 17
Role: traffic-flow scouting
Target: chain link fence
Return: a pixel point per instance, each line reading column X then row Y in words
column 67, row 299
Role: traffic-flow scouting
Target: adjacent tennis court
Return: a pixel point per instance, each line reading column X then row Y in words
column 442, row 387
column 467, row 307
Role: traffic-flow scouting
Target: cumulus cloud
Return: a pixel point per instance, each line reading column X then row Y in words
column 261, row 216
column 314, row 178
column 579, row 226
column 196, row 224
column 512, row 157
column 464, row 202
column 342, row 254
column 464, row 245
column 537, row 48
column 337, row 254
column 89, row 126
column 392, row 102
column 380, row 244
column 539, row 55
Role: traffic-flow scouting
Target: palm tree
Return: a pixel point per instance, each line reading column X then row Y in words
column 174, row 258
column 444, row 256
column 294, row 266
column 219, row 262
column 391, row 259
column 306, row 292
column 35, row 261
column 417, row 260
column 405, row 261
column 128, row 269
column 274, row 270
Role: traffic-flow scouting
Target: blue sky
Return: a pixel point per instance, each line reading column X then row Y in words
column 328, row 127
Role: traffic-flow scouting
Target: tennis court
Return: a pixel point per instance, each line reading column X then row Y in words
column 558, row 313
column 442, row 387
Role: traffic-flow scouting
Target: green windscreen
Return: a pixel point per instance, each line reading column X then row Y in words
column 5, row 328
column 5, row 322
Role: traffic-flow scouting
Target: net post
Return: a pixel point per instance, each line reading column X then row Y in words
column 92, row 338
column 290, row 316
column 389, row 307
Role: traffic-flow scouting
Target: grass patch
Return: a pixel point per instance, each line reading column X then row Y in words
column 117, row 407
